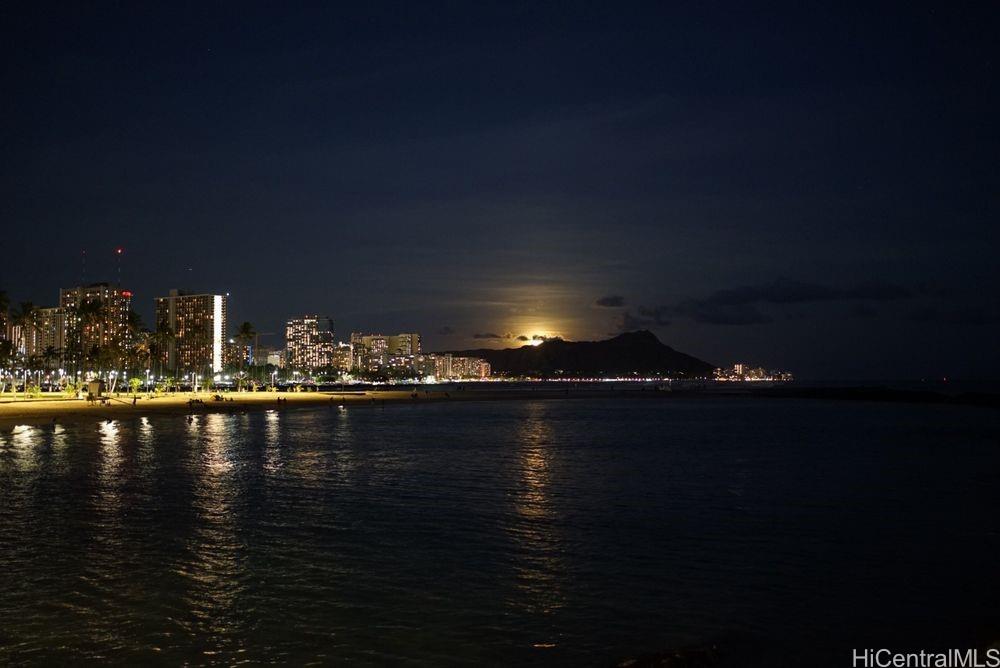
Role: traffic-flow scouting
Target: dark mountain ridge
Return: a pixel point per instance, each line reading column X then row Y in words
column 632, row 352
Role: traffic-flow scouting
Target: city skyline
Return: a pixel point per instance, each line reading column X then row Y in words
column 647, row 320
column 158, row 313
column 147, row 312
column 95, row 333
column 814, row 190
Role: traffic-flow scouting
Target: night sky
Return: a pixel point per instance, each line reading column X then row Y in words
column 810, row 187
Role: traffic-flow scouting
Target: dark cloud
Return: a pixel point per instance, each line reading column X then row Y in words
column 645, row 317
column 631, row 322
column 882, row 292
column 721, row 314
column 954, row 316
column 742, row 305
column 657, row 315
column 862, row 310
column 446, row 330
column 610, row 301
column 785, row 291
column 509, row 336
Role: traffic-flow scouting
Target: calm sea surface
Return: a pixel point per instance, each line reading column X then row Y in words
column 582, row 532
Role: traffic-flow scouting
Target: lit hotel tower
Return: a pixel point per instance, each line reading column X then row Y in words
column 198, row 327
column 310, row 343
column 107, row 326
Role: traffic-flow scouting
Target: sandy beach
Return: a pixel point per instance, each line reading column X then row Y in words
column 40, row 411
column 22, row 411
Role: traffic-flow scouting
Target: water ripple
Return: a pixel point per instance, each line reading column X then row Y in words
column 512, row 533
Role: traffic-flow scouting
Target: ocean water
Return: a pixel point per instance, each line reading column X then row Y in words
column 572, row 532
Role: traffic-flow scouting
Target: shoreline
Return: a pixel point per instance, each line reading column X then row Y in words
column 35, row 412
column 17, row 412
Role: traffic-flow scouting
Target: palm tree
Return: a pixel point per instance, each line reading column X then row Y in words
column 6, row 347
column 198, row 335
column 92, row 358
column 136, row 342
column 160, row 340
column 109, row 358
column 6, row 359
column 133, row 326
column 142, row 349
column 24, row 317
column 49, row 355
column 4, row 307
column 87, row 314
column 140, row 352
column 245, row 336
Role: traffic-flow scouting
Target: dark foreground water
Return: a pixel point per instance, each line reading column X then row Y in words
column 783, row 532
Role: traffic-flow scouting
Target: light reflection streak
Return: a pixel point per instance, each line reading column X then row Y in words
column 60, row 442
column 272, row 445
column 538, row 571
column 193, row 423
column 214, row 571
column 24, row 440
column 344, row 460
column 145, row 430
column 109, row 476
column 306, row 461
column 217, row 458
column 146, row 441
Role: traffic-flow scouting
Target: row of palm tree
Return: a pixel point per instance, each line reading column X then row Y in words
column 80, row 354
column 136, row 352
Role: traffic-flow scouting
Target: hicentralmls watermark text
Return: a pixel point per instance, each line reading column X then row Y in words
column 952, row 658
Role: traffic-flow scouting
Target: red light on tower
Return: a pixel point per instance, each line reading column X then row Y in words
column 127, row 293
column 118, row 253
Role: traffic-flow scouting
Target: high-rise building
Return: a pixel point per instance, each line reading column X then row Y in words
column 309, row 341
column 15, row 335
column 197, row 324
column 442, row 366
column 373, row 350
column 445, row 366
column 96, row 316
column 49, row 330
column 277, row 358
column 343, row 357
column 269, row 355
column 393, row 344
column 237, row 354
column 469, row 367
column 403, row 344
